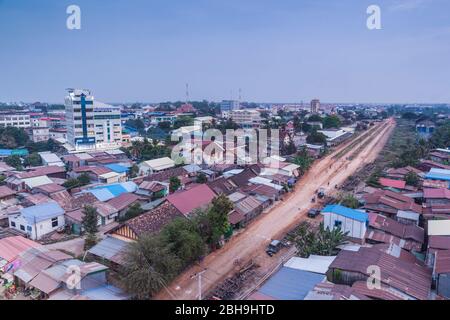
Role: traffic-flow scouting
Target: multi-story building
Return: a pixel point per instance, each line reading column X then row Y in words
column 90, row 124
column 15, row 120
column 108, row 126
column 227, row 106
column 315, row 105
column 247, row 119
column 39, row 134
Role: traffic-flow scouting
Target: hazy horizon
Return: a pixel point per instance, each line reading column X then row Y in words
column 289, row 50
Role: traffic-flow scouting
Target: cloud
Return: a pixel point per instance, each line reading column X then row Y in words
column 407, row 5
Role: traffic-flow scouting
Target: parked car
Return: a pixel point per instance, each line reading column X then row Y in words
column 313, row 213
column 274, row 247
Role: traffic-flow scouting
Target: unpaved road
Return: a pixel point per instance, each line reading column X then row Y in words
column 251, row 243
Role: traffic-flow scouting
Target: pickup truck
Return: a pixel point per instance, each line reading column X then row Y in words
column 274, row 247
column 313, row 213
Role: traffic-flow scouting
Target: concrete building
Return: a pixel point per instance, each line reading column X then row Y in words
column 15, row 120
column 247, row 119
column 80, row 119
column 315, row 105
column 227, row 106
column 354, row 222
column 39, row 134
column 91, row 125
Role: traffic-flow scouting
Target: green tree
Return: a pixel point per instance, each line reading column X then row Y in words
column 304, row 160
column 90, row 225
column 174, row 184
column 14, row 161
column 183, row 240
column 84, row 179
column 183, row 121
column 71, row 183
column 134, row 211
column 322, row 242
column 32, row 160
column 349, row 201
column 213, row 223
column 412, row 179
column 316, row 137
column 149, row 266
column 201, row 178
column 331, row 122
column 134, row 171
column 441, row 137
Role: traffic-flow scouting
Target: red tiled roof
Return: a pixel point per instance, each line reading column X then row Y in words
column 154, row 220
column 123, row 201
column 398, row 184
column 188, row 200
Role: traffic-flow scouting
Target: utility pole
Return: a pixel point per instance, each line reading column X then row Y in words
column 199, row 276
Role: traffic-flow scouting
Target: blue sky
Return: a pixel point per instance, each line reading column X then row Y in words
column 275, row 50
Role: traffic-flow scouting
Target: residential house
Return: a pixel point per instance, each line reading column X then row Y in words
column 107, row 214
column 389, row 203
column 147, row 223
column 438, row 232
column 11, row 248
column 51, row 159
column 153, row 189
column 442, row 273
column 353, row 222
column 123, row 202
column 39, row 220
column 197, row 197
column 404, row 276
column 247, row 208
column 385, row 230
column 157, row 165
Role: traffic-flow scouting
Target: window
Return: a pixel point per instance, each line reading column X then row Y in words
column 13, row 224
column 54, row 222
column 22, row 227
column 338, row 224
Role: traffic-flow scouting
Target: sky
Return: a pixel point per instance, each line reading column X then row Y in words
column 274, row 50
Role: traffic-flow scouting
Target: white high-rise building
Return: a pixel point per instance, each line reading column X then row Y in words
column 90, row 124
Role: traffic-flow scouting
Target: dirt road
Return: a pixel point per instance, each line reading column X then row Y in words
column 292, row 210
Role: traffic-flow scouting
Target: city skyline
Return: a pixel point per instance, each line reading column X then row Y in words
column 275, row 52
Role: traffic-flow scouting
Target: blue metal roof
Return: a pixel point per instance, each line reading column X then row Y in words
column 117, row 168
column 347, row 212
column 291, row 284
column 107, row 192
column 42, row 212
column 438, row 174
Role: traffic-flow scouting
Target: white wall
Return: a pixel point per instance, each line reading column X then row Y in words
column 42, row 228
column 355, row 229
